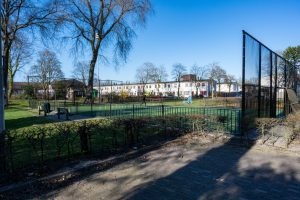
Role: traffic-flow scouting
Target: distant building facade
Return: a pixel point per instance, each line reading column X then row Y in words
column 18, row 88
column 229, row 88
column 203, row 88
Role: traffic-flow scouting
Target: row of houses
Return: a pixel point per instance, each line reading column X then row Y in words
column 188, row 86
column 204, row 88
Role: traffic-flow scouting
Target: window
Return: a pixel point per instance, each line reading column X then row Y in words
column 203, row 84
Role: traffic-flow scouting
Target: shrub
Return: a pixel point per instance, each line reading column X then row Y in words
column 264, row 125
column 64, row 139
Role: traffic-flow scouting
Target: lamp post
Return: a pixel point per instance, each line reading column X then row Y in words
column 2, row 122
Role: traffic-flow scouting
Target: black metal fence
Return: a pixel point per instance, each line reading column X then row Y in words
column 266, row 75
column 230, row 111
column 231, row 116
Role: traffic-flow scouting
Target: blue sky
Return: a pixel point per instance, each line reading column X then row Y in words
column 201, row 32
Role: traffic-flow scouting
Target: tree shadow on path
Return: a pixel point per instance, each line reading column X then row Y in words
column 219, row 174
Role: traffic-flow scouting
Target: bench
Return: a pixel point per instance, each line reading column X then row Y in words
column 63, row 111
column 41, row 109
column 44, row 108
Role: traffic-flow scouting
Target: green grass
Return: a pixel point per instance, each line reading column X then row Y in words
column 18, row 115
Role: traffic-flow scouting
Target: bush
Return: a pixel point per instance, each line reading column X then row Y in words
column 48, row 142
column 288, row 128
column 264, row 125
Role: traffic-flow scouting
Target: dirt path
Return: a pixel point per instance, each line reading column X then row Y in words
column 194, row 171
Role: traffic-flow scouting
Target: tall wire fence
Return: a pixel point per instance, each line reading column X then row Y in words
column 266, row 76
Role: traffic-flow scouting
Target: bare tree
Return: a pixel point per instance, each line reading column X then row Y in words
column 229, row 80
column 46, row 70
column 19, row 56
column 23, row 16
column 201, row 72
column 217, row 73
column 103, row 23
column 161, row 75
column 146, row 73
column 177, row 72
column 81, row 71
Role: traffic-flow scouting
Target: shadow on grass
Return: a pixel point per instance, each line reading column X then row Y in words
column 13, row 124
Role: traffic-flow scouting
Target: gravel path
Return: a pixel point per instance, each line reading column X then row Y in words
column 194, row 171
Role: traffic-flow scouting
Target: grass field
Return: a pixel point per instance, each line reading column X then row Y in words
column 18, row 115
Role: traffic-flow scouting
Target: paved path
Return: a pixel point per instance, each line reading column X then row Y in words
column 194, row 171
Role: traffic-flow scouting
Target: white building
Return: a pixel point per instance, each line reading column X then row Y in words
column 229, row 88
column 170, row 88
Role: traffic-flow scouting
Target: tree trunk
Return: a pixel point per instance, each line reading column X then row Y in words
column 10, row 83
column 219, row 89
column 5, row 68
column 91, row 77
column 84, row 138
column 178, row 89
column 212, row 89
column 144, row 85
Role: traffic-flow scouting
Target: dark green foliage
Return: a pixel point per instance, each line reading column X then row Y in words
column 41, row 144
column 28, row 91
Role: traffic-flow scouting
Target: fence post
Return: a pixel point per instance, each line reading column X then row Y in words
column 91, row 108
column 239, row 122
column 110, row 110
column 133, row 111
column 76, row 107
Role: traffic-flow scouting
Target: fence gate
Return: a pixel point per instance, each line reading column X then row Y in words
column 266, row 76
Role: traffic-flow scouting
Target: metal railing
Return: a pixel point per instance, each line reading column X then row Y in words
column 231, row 116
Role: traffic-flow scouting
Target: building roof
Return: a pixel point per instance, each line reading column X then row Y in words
column 70, row 83
column 188, row 77
column 19, row 85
